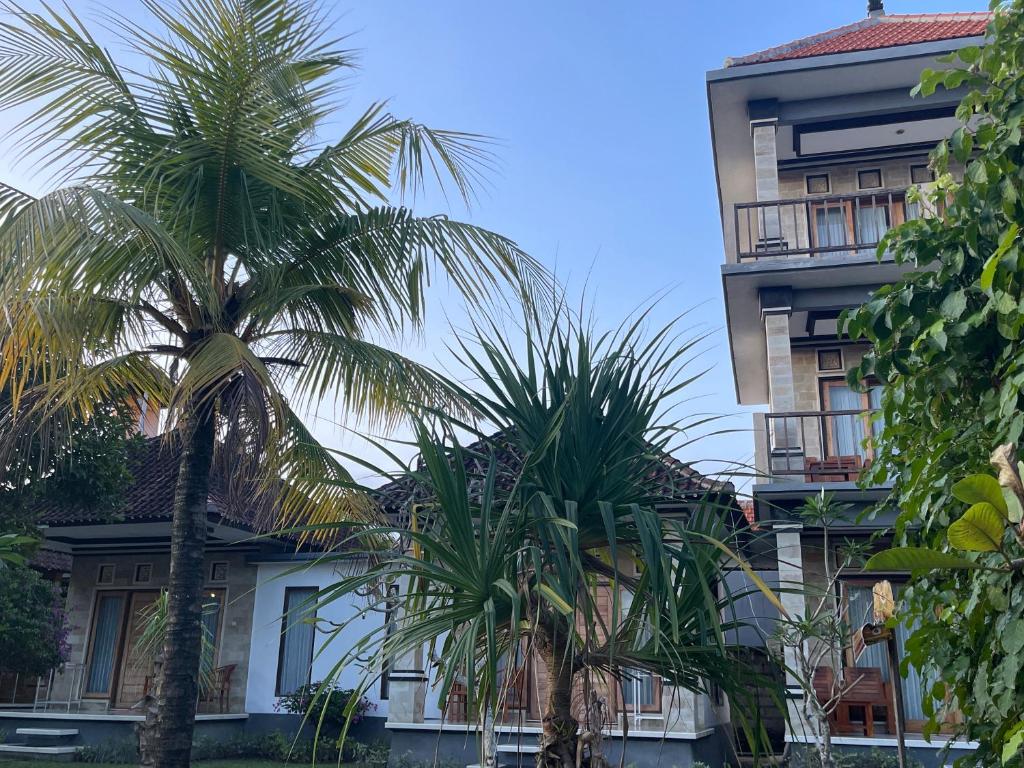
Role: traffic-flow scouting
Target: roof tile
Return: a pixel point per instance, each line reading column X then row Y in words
column 873, row 33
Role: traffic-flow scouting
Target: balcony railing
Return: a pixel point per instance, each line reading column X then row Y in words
column 819, row 446
column 813, row 226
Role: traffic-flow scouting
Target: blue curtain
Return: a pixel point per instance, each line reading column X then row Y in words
column 847, row 430
column 296, row 640
column 211, row 617
column 109, row 612
column 861, row 603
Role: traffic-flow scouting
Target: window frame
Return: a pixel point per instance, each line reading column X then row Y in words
column 99, row 574
column 284, row 632
column 135, row 575
column 828, row 182
column 881, row 179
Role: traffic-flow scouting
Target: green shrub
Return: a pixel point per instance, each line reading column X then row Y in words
column 33, row 627
column 111, row 751
column 326, row 700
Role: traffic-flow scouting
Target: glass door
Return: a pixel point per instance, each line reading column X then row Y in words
column 108, row 620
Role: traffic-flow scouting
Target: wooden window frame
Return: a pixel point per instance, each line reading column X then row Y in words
column 824, row 384
column 213, row 571
column 832, row 371
column 654, row 708
column 135, row 574
column 123, row 652
column 828, row 182
column 881, row 179
column 931, row 173
column 284, row 630
column 99, row 574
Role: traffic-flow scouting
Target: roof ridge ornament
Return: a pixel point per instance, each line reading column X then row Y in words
column 876, row 8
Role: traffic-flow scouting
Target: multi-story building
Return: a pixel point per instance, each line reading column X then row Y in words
column 816, row 144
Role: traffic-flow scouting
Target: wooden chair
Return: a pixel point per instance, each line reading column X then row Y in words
column 824, row 683
column 866, row 690
column 220, row 691
column 834, row 469
column 458, row 703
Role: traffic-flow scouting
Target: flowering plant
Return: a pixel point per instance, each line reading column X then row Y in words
column 326, row 700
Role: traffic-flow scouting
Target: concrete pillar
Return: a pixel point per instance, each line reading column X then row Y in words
column 407, row 686
column 791, row 577
column 787, row 452
column 766, row 179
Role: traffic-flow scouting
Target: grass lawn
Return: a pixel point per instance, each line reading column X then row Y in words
column 240, row 763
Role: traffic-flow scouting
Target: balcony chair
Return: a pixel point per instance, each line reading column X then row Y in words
column 220, row 691
column 833, row 469
column 867, row 690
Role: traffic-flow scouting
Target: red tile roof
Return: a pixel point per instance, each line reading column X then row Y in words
column 875, row 32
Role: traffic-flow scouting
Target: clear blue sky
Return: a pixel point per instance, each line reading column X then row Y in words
column 601, row 108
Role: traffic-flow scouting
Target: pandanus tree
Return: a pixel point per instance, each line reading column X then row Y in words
column 206, row 248
column 570, row 536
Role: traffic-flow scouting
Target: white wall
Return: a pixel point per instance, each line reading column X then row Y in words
column 271, row 581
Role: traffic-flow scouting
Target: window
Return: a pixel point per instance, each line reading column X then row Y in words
column 830, row 359
column 921, row 174
column 641, row 691
column 869, row 179
column 219, row 572
column 858, row 603
column 849, row 421
column 105, row 574
column 143, row 573
column 818, row 184
column 390, row 621
column 297, row 634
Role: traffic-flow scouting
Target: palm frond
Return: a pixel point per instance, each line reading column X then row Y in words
column 382, row 385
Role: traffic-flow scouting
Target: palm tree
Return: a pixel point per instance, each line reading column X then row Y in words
column 507, row 543
column 209, row 251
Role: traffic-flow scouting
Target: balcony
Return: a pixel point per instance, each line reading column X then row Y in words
column 816, row 226
column 819, row 446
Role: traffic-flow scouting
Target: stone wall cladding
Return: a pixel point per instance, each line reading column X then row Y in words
column 236, row 622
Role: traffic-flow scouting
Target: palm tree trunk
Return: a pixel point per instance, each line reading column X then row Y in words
column 559, row 739
column 179, row 685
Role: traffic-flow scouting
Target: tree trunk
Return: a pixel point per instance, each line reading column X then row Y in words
column 817, row 721
column 179, row 684
column 558, row 741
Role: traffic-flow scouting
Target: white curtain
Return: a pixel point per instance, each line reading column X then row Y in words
column 872, row 222
column 296, row 640
column 830, row 224
column 104, row 643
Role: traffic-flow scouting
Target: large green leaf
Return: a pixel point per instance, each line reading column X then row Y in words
column 979, row 530
column 916, row 559
column 980, row 488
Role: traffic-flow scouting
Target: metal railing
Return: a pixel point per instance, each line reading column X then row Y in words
column 812, row 226
column 819, row 446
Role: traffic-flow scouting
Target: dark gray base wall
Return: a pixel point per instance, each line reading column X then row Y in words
column 927, row 756
column 114, row 731
column 366, row 730
column 101, row 731
column 448, row 749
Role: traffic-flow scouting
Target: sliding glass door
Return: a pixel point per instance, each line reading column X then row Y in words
column 108, row 620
